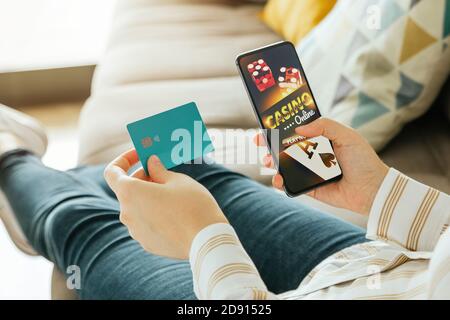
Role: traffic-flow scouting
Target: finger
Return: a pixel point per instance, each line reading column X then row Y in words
column 311, row 194
column 277, row 181
column 157, row 171
column 124, row 218
column 323, row 127
column 140, row 174
column 268, row 161
column 259, row 140
column 118, row 168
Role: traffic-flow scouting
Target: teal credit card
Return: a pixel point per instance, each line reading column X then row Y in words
column 176, row 136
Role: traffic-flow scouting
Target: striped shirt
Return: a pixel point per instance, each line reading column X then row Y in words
column 409, row 257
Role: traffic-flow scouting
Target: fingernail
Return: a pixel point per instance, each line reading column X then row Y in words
column 154, row 159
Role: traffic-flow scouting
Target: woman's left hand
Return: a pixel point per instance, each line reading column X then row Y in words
column 163, row 211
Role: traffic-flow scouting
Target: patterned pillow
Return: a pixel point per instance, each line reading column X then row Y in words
column 377, row 64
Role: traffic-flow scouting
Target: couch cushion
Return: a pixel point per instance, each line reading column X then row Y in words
column 145, row 69
column 178, row 39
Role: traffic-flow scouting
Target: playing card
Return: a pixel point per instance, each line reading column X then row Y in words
column 317, row 155
column 176, row 136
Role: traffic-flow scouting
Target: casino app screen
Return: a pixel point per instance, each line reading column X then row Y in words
column 283, row 100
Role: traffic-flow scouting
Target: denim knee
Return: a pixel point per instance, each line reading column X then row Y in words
column 69, row 218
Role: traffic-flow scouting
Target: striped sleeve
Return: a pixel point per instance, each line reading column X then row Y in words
column 408, row 213
column 439, row 270
column 221, row 268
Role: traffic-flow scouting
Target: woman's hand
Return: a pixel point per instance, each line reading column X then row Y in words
column 363, row 171
column 165, row 211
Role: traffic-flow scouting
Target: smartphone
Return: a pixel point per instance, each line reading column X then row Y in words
column 282, row 100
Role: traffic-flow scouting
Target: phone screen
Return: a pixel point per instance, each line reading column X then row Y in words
column 283, row 101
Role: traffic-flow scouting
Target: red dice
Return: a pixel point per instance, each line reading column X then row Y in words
column 261, row 74
column 290, row 78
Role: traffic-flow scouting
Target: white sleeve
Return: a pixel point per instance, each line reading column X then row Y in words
column 408, row 213
column 221, row 268
column 439, row 270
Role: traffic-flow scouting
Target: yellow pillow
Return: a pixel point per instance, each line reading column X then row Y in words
column 294, row 19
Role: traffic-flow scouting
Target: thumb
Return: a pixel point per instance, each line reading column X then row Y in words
column 330, row 129
column 158, row 173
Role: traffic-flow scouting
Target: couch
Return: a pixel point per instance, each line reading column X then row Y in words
column 163, row 53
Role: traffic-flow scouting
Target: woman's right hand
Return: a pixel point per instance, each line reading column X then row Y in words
column 363, row 171
column 163, row 211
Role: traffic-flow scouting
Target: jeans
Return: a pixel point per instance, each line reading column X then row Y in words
column 72, row 218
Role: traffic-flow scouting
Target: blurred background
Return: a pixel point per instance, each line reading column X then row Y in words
column 48, row 51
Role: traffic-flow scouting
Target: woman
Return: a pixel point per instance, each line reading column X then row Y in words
column 201, row 231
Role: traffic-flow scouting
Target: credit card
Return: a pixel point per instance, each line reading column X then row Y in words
column 176, row 136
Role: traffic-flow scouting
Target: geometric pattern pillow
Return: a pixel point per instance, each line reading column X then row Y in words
column 377, row 64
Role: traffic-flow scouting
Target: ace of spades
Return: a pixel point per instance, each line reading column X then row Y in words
column 328, row 159
column 320, row 160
